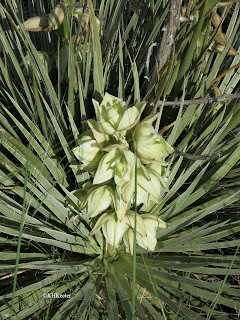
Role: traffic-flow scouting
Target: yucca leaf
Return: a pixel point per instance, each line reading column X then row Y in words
column 98, row 69
column 111, row 298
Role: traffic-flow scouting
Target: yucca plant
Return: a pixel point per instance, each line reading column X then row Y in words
column 119, row 131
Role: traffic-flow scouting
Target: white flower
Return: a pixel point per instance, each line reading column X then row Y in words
column 150, row 183
column 150, row 146
column 98, row 199
column 145, row 240
column 143, row 196
column 114, row 117
column 100, row 137
column 118, row 163
column 151, row 224
column 113, row 229
column 128, row 239
column 88, row 152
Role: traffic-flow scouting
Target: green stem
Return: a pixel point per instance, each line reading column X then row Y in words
column 134, row 243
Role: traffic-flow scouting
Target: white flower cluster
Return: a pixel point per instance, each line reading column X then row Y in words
column 108, row 155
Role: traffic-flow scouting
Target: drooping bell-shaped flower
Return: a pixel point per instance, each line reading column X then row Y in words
column 143, row 197
column 98, row 199
column 160, row 171
column 151, row 224
column 150, row 146
column 100, row 137
column 150, row 183
column 113, row 116
column 119, row 204
column 128, row 240
column 88, row 152
column 113, row 229
column 118, row 163
column 146, row 239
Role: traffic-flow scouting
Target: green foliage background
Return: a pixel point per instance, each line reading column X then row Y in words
column 45, row 246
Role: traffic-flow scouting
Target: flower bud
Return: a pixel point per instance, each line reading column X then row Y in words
column 216, row 19
column 36, row 24
column 82, row 15
column 56, row 16
column 215, row 91
column 220, row 38
column 219, row 49
column 88, row 152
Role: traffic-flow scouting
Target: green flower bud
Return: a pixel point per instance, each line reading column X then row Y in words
column 219, row 49
column 228, row 3
column 114, row 117
column 36, row 24
column 81, row 14
column 47, row 62
column 216, row 19
column 88, row 152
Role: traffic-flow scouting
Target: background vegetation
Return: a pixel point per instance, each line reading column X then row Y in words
column 45, row 100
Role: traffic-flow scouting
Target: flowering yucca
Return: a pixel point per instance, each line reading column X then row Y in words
column 108, row 156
